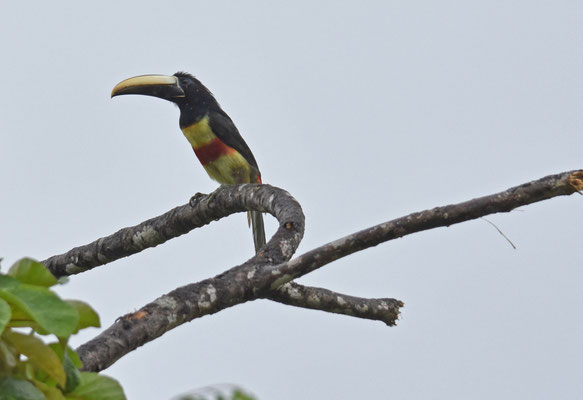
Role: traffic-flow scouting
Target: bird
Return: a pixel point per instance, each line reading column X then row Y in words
column 215, row 139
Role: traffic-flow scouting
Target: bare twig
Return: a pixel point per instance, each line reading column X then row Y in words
column 500, row 232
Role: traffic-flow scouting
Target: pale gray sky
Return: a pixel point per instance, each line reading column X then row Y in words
column 364, row 111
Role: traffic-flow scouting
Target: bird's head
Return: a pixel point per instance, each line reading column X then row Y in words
column 181, row 88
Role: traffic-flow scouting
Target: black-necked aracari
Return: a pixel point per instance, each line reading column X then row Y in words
column 212, row 134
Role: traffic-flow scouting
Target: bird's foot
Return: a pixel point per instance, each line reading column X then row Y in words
column 196, row 198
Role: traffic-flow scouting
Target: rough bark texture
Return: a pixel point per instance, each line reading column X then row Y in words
column 268, row 274
column 234, row 286
column 201, row 210
column 545, row 188
column 385, row 310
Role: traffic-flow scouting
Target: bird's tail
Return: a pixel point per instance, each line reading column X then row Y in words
column 256, row 219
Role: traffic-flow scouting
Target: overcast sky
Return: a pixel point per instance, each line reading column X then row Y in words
column 364, row 111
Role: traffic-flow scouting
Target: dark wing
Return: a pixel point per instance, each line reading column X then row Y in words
column 224, row 128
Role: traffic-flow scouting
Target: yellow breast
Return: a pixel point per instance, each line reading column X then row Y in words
column 223, row 163
column 200, row 133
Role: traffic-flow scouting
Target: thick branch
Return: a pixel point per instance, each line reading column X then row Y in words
column 267, row 272
column 235, row 286
column 562, row 184
column 202, row 210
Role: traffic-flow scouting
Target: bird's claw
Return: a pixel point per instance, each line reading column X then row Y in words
column 195, row 199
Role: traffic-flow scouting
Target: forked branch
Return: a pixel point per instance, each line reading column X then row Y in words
column 268, row 274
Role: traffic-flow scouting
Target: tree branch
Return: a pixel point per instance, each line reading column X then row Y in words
column 563, row 184
column 234, row 286
column 293, row 294
column 265, row 275
column 202, row 210
column 181, row 220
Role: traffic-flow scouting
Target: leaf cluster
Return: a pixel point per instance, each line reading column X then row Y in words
column 35, row 369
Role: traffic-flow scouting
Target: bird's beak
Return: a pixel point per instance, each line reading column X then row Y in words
column 162, row 86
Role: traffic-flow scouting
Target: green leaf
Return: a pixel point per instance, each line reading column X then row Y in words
column 16, row 389
column 50, row 392
column 71, row 363
column 41, row 305
column 87, row 315
column 39, row 354
column 8, row 357
column 238, row 394
column 8, row 282
column 5, row 314
column 32, row 272
column 58, row 348
column 73, row 374
column 72, row 354
column 97, row 387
